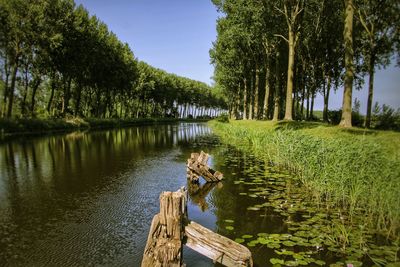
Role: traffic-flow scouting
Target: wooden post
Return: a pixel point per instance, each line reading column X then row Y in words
column 197, row 166
column 164, row 243
column 170, row 228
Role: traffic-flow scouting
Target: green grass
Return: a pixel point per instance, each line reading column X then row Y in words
column 357, row 169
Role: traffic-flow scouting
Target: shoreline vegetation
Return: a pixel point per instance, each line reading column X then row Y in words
column 18, row 127
column 355, row 169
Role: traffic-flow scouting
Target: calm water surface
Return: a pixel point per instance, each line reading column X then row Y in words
column 85, row 199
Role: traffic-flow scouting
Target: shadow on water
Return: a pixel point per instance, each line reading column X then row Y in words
column 84, row 199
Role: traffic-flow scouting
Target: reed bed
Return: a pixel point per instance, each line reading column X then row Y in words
column 357, row 170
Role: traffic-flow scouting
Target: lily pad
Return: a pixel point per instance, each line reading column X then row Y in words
column 239, row 240
column 229, row 221
column 229, row 228
column 276, row 261
column 247, row 236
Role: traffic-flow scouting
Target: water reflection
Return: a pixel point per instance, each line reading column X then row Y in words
column 199, row 192
column 87, row 188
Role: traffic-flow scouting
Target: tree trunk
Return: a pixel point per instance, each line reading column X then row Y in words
column 78, row 99
column 5, row 96
column 371, row 69
column 267, row 92
column 277, row 90
column 35, row 86
column 312, row 106
column 53, row 86
column 256, row 93
column 349, row 75
column 326, row 99
column 26, row 88
column 66, row 97
column 289, row 90
column 245, row 99
column 12, row 88
column 251, row 96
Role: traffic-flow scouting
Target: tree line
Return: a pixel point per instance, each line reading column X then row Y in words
column 273, row 57
column 56, row 61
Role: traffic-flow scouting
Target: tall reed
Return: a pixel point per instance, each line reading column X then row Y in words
column 360, row 173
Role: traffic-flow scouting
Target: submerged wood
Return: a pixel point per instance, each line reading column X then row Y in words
column 197, row 166
column 170, row 228
column 164, row 242
column 216, row 247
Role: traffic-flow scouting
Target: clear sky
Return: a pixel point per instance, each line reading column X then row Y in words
column 176, row 35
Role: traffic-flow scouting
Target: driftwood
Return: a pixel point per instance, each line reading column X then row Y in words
column 170, row 228
column 164, row 243
column 216, row 247
column 197, row 166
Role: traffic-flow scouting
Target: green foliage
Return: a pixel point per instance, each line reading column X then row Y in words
column 59, row 61
column 223, row 118
column 387, row 118
column 358, row 170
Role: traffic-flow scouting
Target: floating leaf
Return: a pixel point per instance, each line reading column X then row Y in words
column 276, row 261
column 253, row 208
column 247, row 236
column 319, row 262
column 229, row 228
column 239, row 240
column 229, row 221
column 288, row 243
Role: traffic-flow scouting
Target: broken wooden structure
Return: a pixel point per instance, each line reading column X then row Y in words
column 197, row 166
column 170, row 230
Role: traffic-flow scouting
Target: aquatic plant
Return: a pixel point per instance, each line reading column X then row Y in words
column 358, row 171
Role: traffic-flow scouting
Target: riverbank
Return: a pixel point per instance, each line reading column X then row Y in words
column 14, row 127
column 357, row 169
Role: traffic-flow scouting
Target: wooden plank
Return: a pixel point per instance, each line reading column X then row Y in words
column 217, row 247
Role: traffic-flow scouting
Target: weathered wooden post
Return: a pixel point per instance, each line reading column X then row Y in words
column 171, row 228
column 164, row 243
column 197, row 166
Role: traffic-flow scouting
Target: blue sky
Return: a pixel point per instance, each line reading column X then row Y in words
column 176, row 35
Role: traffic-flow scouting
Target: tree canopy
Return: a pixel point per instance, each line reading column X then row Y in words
column 57, row 60
column 273, row 57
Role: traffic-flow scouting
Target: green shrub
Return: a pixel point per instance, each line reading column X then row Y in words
column 223, row 118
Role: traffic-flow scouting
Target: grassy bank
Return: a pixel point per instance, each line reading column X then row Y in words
column 35, row 126
column 357, row 170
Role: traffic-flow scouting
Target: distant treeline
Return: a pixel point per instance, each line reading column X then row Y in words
column 57, row 61
column 273, row 57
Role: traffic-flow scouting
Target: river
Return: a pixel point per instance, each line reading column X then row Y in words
column 88, row 198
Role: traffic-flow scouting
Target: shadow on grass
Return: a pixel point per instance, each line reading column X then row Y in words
column 299, row 125
column 359, row 131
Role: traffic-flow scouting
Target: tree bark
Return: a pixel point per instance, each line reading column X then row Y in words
column 245, row 99
column 53, row 86
column 5, row 96
column 349, row 75
column 289, row 90
column 370, row 89
column 35, row 86
column 256, row 93
column 251, row 96
column 12, row 88
column 267, row 92
column 326, row 99
column 277, row 90
column 26, row 88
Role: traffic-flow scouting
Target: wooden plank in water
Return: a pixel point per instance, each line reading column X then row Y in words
column 217, row 247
